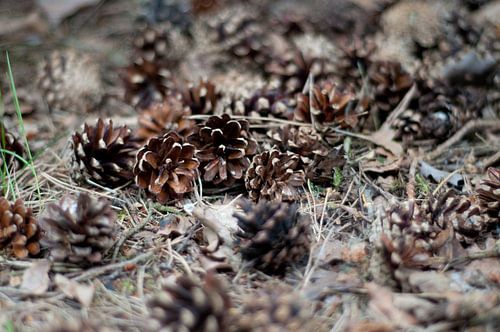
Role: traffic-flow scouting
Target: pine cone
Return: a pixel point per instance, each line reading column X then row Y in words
column 265, row 103
column 489, row 193
column 78, row 230
column 223, row 146
column 275, row 176
column 270, row 310
column 9, row 142
column 201, row 98
column 329, row 104
column 178, row 14
column 321, row 168
column 239, row 32
column 161, row 118
column 70, row 82
column 273, row 235
column 390, row 82
column 292, row 68
column 355, row 59
column 166, row 167
column 18, row 229
column 186, row 305
column 462, row 214
column 149, row 77
column 104, row 154
column 303, row 141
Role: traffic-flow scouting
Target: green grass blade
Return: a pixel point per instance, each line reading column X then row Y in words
column 21, row 123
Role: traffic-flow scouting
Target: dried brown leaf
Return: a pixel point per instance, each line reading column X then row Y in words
column 36, row 278
column 80, row 292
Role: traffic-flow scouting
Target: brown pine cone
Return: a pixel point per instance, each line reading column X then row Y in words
column 69, row 81
column 330, row 104
column 104, row 154
column 303, row 141
column 265, row 103
column 271, row 311
column 275, row 176
column 201, row 98
column 273, row 235
column 18, row 229
column 321, row 168
column 238, row 30
column 160, row 118
column 223, row 147
column 390, row 83
column 78, row 230
column 149, row 77
column 354, row 61
column 187, row 305
column 292, row 68
column 489, row 193
column 166, row 167
column 459, row 212
column 10, row 143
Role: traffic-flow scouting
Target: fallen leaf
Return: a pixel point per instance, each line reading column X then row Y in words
column 174, row 226
column 429, row 281
column 219, row 218
column 437, row 175
column 36, row 278
column 58, row 10
column 72, row 289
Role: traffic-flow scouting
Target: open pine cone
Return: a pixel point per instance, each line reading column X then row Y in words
column 160, row 118
column 273, row 235
column 149, row 78
column 201, row 98
column 292, row 68
column 78, row 230
column 271, row 310
column 70, row 81
column 303, row 141
column 104, row 154
column 329, row 105
column 10, row 143
column 265, row 103
column 275, row 176
column 166, row 167
column 19, row 230
column 489, row 193
column 390, row 83
column 223, row 147
column 186, row 305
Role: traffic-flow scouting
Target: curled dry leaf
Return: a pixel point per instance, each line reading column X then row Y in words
column 80, row 292
column 437, row 175
column 219, row 219
column 36, row 278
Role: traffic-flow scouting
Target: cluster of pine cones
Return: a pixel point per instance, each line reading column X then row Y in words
column 266, row 140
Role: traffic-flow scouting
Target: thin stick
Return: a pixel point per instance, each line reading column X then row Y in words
column 470, row 126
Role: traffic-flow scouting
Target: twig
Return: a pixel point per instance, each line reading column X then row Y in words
column 491, row 160
column 470, row 126
column 130, row 232
column 495, row 252
column 103, row 269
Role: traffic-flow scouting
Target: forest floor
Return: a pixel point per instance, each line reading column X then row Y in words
column 384, row 114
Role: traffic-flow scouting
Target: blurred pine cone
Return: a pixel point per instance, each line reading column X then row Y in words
column 18, row 229
column 275, row 176
column 489, row 193
column 176, row 13
column 186, row 305
column 9, row 142
column 149, row 77
column 271, row 310
column 223, row 146
column 322, row 166
column 265, row 103
column 390, row 82
column 329, row 105
column 166, row 167
column 273, row 235
column 354, row 61
column 104, row 154
column 160, row 118
column 69, row 81
column 238, row 31
column 292, row 68
column 201, row 98
column 78, row 230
